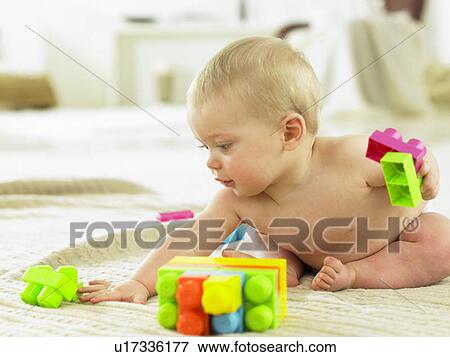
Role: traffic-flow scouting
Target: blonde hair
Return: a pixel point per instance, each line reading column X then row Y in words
column 268, row 75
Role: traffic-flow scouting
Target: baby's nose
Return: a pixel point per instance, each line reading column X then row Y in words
column 213, row 164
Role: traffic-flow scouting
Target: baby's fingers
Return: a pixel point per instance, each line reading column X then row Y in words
column 107, row 295
column 91, row 288
column 89, row 296
column 99, row 282
column 424, row 169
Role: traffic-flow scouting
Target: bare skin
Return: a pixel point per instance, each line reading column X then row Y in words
column 375, row 267
column 278, row 169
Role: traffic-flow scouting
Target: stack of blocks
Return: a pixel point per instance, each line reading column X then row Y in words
column 48, row 288
column 203, row 295
column 400, row 161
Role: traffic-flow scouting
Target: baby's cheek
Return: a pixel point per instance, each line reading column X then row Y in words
column 249, row 174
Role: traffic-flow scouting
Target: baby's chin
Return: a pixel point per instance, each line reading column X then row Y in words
column 245, row 193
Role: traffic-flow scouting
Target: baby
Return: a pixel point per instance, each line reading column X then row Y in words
column 254, row 108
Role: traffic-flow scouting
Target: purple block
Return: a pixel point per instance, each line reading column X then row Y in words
column 390, row 140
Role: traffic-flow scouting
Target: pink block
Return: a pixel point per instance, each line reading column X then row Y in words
column 171, row 216
column 390, row 140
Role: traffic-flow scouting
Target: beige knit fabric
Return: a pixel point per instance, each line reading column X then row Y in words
column 35, row 229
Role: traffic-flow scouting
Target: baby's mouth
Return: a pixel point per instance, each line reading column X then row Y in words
column 226, row 183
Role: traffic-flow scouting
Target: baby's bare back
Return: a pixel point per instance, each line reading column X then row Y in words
column 337, row 211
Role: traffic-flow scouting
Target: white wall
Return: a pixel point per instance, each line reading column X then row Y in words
column 85, row 30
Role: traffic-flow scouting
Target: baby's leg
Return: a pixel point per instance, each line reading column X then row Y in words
column 257, row 247
column 422, row 258
column 294, row 265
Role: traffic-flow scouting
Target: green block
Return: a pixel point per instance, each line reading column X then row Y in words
column 262, row 304
column 31, row 291
column 44, row 277
column 50, row 297
column 69, row 289
column 48, row 288
column 75, row 296
column 401, row 179
column 166, row 287
column 168, row 315
column 258, row 318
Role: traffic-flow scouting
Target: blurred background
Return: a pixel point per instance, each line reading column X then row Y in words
column 96, row 89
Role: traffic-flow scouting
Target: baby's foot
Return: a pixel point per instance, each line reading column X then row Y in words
column 334, row 276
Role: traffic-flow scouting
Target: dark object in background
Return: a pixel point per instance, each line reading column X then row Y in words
column 20, row 92
column 414, row 7
column 141, row 19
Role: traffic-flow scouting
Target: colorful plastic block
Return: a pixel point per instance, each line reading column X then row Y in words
column 192, row 319
column 174, row 215
column 237, row 294
column 239, row 264
column 228, row 323
column 221, row 294
column 48, row 288
column 166, row 288
column 402, row 183
column 390, row 140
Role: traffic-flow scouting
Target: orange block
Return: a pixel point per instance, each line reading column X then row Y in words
column 192, row 320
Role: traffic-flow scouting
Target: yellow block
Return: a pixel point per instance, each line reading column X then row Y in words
column 221, row 294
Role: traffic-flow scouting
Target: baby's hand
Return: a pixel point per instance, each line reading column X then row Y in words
column 430, row 173
column 128, row 291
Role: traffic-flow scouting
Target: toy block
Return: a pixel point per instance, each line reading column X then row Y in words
column 228, row 323
column 275, row 268
column 192, row 319
column 245, row 294
column 236, row 235
column 390, row 140
column 75, row 296
column 402, row 183
column 221, row 294
column 175, row 215
column 48, row 288
column 31, row 291
column 166, row 287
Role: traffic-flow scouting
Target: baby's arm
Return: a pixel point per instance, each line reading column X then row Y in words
column 354, row 150
column 142, row 283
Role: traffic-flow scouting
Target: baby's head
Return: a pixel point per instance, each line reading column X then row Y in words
column 253, row 107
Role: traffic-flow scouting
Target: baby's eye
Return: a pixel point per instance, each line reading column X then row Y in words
column 202, row 146
column 224, row 146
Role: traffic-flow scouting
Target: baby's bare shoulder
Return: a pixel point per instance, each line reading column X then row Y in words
column 350, row 155
column 347, row 150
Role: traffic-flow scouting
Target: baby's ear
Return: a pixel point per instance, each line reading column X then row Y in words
column 294, row 129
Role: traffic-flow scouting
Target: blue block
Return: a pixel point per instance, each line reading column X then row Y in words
column 236, row 235
column 228, row 323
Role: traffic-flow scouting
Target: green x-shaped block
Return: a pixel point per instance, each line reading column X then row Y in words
column 48, row 288
column 402, row 182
